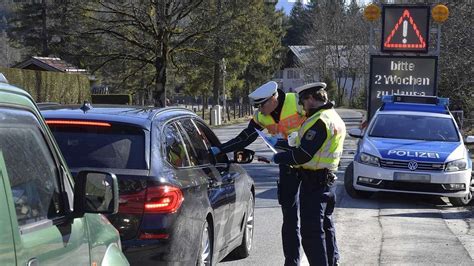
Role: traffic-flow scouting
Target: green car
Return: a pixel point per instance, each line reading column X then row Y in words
column 46, row 217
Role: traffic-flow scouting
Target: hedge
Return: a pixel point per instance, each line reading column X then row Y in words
column 47, row 86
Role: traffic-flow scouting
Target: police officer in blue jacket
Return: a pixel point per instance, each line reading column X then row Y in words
column 316, row 157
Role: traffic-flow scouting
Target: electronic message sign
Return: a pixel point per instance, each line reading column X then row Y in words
column 404, row 75
column 405, row 28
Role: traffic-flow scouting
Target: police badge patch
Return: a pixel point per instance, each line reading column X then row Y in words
column 310, row 135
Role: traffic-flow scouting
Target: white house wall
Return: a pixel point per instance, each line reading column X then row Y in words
column 287, row 83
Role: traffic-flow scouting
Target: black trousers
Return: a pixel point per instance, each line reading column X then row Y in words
column 317, row 202
column 288, row 186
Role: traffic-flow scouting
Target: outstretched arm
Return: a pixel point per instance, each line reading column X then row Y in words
column 282, row 144
column 245, row 138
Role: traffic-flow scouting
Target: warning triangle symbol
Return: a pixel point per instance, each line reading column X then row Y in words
column 400, row 31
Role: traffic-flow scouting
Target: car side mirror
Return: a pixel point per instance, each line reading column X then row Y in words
column 469, row 140
column 243, row 156
column 95, row 192
column 356, row 133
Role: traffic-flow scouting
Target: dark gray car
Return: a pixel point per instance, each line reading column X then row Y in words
column 178, row 203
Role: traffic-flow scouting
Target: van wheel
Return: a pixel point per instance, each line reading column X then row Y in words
column 205, row 251
column 459, row 202
column 349, row 185
column 243, row 251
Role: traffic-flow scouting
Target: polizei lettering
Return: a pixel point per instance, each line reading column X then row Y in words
column 415, row 154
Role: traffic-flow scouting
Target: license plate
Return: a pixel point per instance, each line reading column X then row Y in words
column 412, row 177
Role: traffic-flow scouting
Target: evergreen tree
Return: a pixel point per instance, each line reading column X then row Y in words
column 266, row 48
column 32, row 26
column 455, row 61
column 202, row 61
column 42, row 27
column 297, row 24
column 250, row 42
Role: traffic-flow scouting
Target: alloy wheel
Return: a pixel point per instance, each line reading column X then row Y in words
column 459, row 202
column 249, row 226
column 206, row 246
column 468, row 197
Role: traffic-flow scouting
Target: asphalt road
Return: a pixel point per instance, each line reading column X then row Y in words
column 386, row 229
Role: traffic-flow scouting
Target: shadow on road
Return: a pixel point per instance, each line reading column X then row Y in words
column 446, row 216
column 406, row 198
column 384, row 200
column 268, row 194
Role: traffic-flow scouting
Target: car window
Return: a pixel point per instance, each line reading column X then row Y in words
column 113, row 146
column 31, row 168
column 197, row 142
column 212, row 140
column 175, row 148
column 414, row 127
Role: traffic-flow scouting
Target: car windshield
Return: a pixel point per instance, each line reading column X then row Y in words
column 414, row 127
column 116, row 146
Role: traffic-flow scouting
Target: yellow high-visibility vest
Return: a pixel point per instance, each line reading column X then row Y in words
column 291, row 117
column 329, row 155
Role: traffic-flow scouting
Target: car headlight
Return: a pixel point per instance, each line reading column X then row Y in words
column 457, row 165
column 368, row 159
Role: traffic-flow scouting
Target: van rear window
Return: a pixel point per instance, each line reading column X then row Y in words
column 89, row 145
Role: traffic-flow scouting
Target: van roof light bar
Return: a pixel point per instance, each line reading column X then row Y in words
column 416, row 99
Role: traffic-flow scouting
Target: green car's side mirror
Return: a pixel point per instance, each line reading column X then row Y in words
column 95, row 192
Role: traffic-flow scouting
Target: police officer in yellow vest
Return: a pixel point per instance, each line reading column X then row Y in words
column 316, row 157
column 280, row 114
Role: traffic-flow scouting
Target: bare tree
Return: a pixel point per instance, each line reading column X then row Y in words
column 339, row 37
column 146, row 35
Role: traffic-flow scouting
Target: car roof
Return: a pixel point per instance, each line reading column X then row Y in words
column 12, row 95
column 443, row 115
column 136, row 115
column 428, row 104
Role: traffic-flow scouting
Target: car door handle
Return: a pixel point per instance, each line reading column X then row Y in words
column 230, row 178
column 33, row 262
column 229, row 181
column 212, row 183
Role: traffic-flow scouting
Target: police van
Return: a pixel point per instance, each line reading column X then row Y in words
column 412, row 145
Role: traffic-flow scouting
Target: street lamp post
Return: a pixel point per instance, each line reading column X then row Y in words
column 224, row 103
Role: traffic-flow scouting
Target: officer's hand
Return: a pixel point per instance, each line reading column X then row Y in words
column 272, row 140
column 215, row 150
column 292, row 139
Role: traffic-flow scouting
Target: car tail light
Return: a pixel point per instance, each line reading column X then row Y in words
column 132, row 203
column 148, row 236
column 163, row 199
column 77, row 123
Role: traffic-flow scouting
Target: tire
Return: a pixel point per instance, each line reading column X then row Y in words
column 243, row 251
column 349, row 185
column 206, row 247
column 459, row 202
